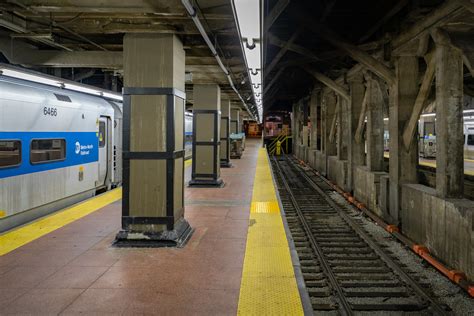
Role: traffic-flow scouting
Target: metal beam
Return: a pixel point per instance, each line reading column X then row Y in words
column 291, row 46
column 435, row 18
column 360, row 126
column 398, row 6
column 329, row 83
column 282, row 51
column 277, row 9
column 356, row 53
column 274, row 79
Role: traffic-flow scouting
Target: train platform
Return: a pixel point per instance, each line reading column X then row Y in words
column 238, row 261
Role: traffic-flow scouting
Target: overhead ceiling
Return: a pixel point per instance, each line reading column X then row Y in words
column 55, row 27
column 295, row 39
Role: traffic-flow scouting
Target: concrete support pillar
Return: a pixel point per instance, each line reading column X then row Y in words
column 294, row 127
column 206, row 136
column 331, row 149
column 313, row 110
column 115, row 84
column 234, row 121
column 356, row 155
column 304, row 123
column 323, row 121
column 375, row 126
column 403, row 163
column 342, row 128
column 449, row 122
column 153, row 142
column 225, row 132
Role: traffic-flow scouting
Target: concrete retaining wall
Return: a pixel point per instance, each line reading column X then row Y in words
column 312, row 158
column 367, row 189
column 337, row 171
column 446, row 227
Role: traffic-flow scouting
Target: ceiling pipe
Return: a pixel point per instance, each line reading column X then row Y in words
column 193, row 14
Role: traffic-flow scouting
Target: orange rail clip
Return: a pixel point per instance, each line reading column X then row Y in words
column 456, row 275
column 392, row 228
column 470, row 290
column 420, row 249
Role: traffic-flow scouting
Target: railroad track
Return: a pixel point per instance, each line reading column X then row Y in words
column 345, row 270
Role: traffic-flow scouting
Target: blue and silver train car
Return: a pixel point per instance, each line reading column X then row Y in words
column 188, row 135
column 57, row 147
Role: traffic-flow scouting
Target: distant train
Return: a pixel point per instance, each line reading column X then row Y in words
column 57, row 147
column 188, row 135
column 427, row 136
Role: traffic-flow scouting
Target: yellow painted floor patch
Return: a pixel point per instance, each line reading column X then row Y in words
column 268, row 284
column 188, row 163
column 21, row 236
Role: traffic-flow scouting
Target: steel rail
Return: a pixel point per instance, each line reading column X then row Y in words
column 347, row 309
column 363, row 234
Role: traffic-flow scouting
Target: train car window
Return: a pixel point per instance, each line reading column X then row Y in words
column 10, row 153
column 101, row 134
column 62, row 97
column 470, row 140
column 47, row 150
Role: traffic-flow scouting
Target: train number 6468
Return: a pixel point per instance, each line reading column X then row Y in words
column 50, row 111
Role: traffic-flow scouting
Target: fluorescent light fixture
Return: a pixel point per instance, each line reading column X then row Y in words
column 247, row 15
column 254, row 57
column 428, row 114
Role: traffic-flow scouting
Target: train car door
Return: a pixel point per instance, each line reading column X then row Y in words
column 469, row 144
column 103, row 150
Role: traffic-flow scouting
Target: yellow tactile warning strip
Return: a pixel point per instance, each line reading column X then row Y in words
column 268, row 284
column 25, row 234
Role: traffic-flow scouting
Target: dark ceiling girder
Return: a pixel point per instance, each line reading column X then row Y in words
column 282, row 51
column 359, row 55
column 468, row 4
column 397, row 8
column 277, row 9
column 329, row 82
column 291, row 46
column 274, row 79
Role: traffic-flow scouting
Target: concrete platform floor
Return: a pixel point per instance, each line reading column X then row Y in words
column 75, row 270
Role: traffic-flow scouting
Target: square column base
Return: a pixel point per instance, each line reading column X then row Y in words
column 177, row 237
column 211, row 183
column 226, row 164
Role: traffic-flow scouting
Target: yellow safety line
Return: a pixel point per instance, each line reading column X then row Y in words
column 268, row 285
column 21, row 236
column 25, row 234
column 188, row 163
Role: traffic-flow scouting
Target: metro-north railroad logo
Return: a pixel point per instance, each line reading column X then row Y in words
column 82, row 149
